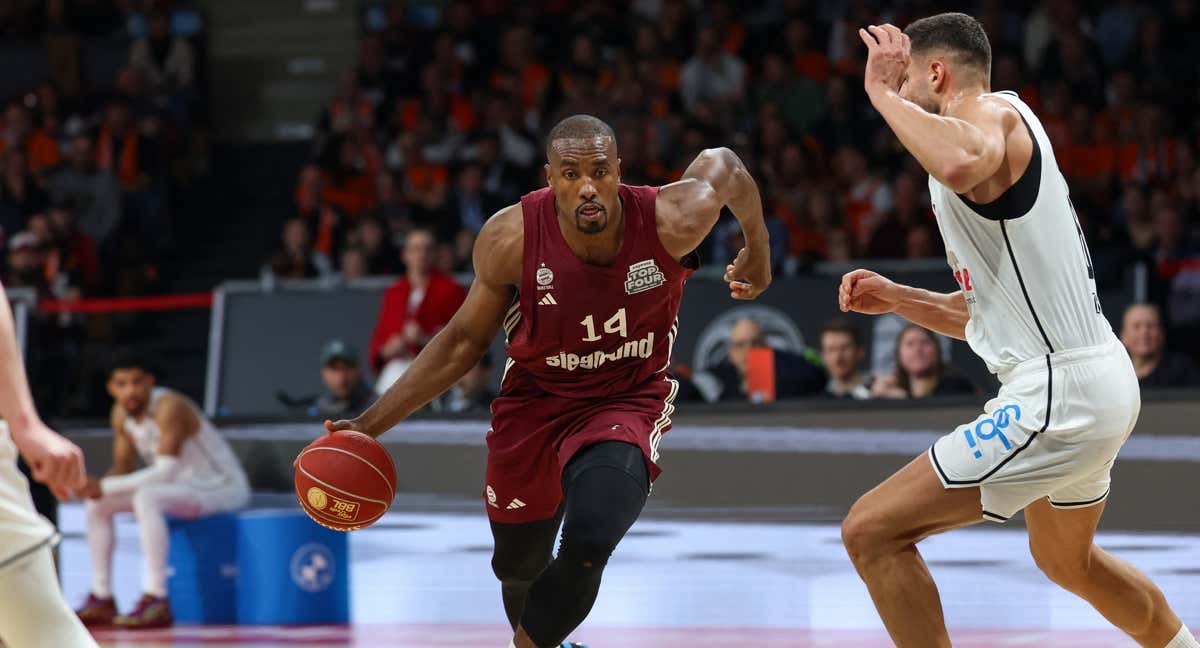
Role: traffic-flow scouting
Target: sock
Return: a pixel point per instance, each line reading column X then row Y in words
column 100, row 540
column 1183, row 640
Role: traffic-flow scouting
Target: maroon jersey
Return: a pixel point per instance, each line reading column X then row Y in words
column 584, row 331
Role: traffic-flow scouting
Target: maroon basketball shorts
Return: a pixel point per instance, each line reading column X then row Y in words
column 534, row 435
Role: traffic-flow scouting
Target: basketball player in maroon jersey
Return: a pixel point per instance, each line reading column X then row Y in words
column 585, row 276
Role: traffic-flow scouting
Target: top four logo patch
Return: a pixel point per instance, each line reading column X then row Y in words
column 643, row 276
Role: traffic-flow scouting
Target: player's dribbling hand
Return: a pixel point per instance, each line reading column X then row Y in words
column 54, row 461
column 888, row 53
column 334, row 426
column 749, row 274
column 870, row 293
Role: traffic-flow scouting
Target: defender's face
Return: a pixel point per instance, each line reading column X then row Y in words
column 585, row 174
column 130, row 388
column 918, row 86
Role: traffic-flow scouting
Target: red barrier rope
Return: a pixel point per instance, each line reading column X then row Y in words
column 123, row 304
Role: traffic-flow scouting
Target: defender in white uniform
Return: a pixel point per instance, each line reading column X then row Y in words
column 33, row 613
column 190, row 471
column 1027, row 305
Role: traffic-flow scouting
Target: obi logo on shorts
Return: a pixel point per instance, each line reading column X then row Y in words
column 993, row 428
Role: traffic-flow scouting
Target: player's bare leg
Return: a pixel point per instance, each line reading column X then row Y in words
column 881, row 533
column 1061, row 541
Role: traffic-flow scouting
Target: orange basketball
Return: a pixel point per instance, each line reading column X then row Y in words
column 345, row 480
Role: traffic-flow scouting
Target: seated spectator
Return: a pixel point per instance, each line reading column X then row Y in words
column 168, row 62
column 345, row 392
column 120, row 148
column 712, row 76
column 472, row 393
column 920, row 370
column 1143, row 336
column 296, row 258
column 414, row 309
column 76, row 256
column 38, row 144
column 842, row 352
column 795, row 374
column 471, row 205
column 20, row 195
column 372, row 238
column 95, row 192
column 27, row 263
column 353, row 263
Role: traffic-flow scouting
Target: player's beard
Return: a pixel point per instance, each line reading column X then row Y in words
column 589, row 226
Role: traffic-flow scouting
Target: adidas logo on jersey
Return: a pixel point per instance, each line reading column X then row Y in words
column 515, row 504
column 547, row 300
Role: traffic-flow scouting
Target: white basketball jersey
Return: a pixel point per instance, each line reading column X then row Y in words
column 205, row 457
column 1022, row 262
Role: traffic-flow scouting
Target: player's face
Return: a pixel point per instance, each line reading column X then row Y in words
column 130, row 388
column 840, row 354
column 918, row 353
column 917, row 85
column 584, row 174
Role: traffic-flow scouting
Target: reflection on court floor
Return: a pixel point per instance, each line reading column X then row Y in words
column 424, row 580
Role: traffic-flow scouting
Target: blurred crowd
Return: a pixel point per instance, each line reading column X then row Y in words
column 87, row 164
column 440, row 123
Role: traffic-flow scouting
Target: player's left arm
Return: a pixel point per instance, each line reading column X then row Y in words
column 177, row 421
column 960, row 152
column 688, row 209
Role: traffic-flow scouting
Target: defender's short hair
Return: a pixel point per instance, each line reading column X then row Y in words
column 957, row 33
column 579, row 127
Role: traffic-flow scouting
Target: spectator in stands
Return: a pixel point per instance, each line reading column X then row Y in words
column 920, row 371
column 121, row 149
column 75, row 252
column 414, row 309
column 296, row 258
column 712, row 78
column 1143, row 336
column 801, row 100
column 842, row 352
column 20, row 194
column 38, row 144
column 372, row 239
column 353, row 263
column 95, row 192
column 345, row 391
column 27, row 263
column 470, row 205
column 796, row 374
column 472, row 393
column 168, row 62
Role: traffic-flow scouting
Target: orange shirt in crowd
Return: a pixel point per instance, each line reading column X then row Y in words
column 126, row 165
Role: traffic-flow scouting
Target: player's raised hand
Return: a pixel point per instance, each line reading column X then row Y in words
column 867, row 292
column 888, row 53
column 749, row 274
column 54, row 461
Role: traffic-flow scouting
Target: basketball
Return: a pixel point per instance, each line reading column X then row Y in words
column 345, row 480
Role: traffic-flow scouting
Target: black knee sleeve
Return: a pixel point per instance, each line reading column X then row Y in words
column 606, row 487
column 522, row 552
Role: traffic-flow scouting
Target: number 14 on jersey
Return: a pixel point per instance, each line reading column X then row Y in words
column 615, row 324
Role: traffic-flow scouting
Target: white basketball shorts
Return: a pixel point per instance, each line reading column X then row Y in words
column 1053, row 431
column 22, row 530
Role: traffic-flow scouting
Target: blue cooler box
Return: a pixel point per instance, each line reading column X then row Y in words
column 290, row 570
column 202, row 573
